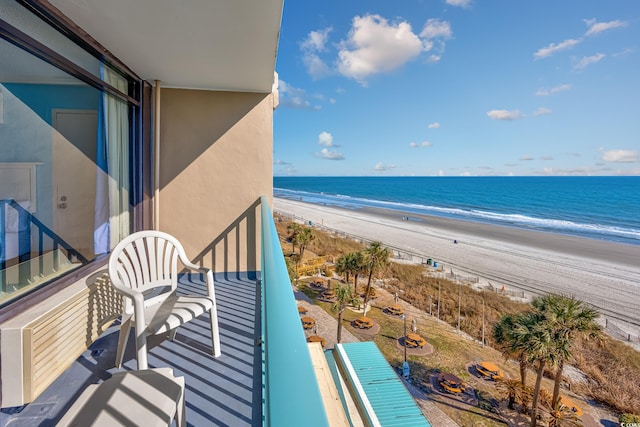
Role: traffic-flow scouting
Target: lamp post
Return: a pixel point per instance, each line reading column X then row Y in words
column 405, row 364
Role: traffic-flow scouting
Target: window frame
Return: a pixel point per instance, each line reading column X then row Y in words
column 139, row 99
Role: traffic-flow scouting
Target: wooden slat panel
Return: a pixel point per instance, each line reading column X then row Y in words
column 56, row 339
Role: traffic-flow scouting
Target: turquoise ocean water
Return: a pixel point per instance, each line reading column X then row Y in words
column 605, row 208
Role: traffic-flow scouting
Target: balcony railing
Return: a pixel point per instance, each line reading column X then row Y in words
column 290, row 389
column 34, row 265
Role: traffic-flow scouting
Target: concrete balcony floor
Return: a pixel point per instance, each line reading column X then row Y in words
column 219, row 391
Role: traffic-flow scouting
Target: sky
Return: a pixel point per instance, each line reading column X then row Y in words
column 458, row 88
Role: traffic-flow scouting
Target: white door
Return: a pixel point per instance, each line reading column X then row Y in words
column 74, row 177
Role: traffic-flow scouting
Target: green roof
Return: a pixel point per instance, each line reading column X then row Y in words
column 381, row 395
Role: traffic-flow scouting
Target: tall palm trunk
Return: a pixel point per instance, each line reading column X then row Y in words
column 339, row 337
column 556, row 385
column 523, row 368
column 536, row 393
column 355, row 284
column 366, row 293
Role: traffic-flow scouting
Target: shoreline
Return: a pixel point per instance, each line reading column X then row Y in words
column 602, row 273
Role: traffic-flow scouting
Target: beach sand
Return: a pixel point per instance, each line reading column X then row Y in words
column 604, row 274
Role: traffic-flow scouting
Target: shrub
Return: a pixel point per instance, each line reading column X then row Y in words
column 629, row 418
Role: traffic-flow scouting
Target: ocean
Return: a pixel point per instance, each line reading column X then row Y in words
column 604, row 208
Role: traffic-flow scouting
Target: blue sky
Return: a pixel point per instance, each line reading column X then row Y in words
column 458, row 87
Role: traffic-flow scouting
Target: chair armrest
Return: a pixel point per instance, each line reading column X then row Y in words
column 207, row 272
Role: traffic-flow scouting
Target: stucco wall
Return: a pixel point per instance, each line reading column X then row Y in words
column 216, row 162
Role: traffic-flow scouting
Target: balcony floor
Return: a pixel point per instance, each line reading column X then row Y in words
column 219, row 391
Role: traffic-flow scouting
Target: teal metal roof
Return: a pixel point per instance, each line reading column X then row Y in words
column 382, row 395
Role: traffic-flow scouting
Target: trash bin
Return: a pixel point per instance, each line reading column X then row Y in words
column 435, row 264
column 429, row 261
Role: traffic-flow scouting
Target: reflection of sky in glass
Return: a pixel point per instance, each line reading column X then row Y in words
column 28, row 23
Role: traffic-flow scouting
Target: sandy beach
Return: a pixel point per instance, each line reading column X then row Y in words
column 604, row 274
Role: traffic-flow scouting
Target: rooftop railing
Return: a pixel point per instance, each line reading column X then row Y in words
column 291, row 395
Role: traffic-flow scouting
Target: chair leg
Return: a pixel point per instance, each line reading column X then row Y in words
column 123, row 337
column 215, row 332
column 172, row 334
column 180, row 410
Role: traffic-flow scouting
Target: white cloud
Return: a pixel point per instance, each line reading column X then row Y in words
column 316, row 67
column 377, row 46
column 421, row 144
column 327, row 154
column 434, row 125
column 293, row 97
column 555, row 47
column 435, row 28
column 526, row 157
column 380, row 167
column 555, row 89
column 316, row 40
column 280, row 163
column 623, row 52
column 326, row 139
column 620, row 156
column 546, row 158
column 310, row 47
column 598, row 27
column 541, row 112
column 459, row 3
column 504, row 114
column 588, row 60
column 441, row 173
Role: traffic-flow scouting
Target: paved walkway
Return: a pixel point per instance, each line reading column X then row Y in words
column 326, row 324
column 326, row 328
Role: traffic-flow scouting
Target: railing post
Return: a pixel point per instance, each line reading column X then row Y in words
column 24, row 246
column 3, row 245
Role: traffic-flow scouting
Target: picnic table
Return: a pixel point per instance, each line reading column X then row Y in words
column 414, row 340
column 363, row 322
column 395, row 309
column 328, row 294
column 308, row 322
column 451, row 383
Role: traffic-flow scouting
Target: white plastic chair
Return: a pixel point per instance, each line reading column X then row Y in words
column 144, row 268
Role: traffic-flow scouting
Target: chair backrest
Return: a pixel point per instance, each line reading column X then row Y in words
column 146, row 262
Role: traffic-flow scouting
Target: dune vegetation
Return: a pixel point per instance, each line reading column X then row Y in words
column 610, row 369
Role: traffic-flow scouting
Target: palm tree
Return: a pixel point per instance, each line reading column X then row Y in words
column 356, row 263
column 511, row 389
column 561, row 416
column 508, row 342
column 342, row 266
column 567, row 318
column 294, row 228
column 539, row 348
column 303, row 238
column 296, row 259
column 344, row 297
column 375, row 256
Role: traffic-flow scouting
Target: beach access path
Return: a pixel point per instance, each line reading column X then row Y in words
column 603, row 274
